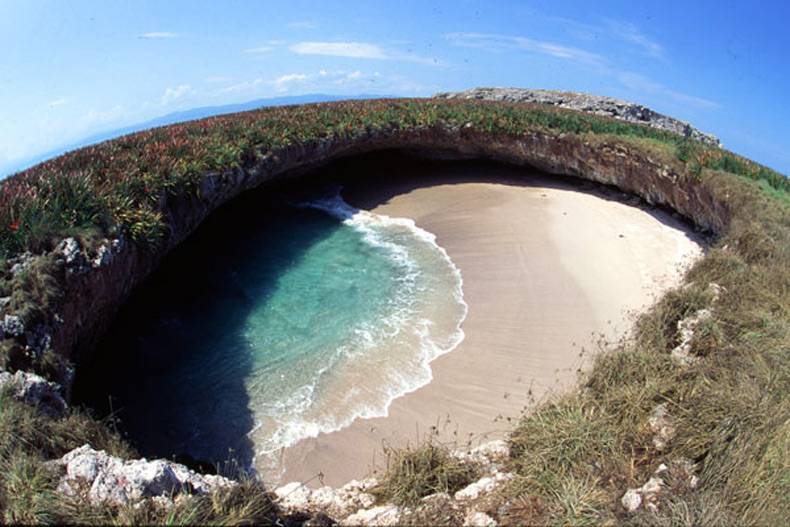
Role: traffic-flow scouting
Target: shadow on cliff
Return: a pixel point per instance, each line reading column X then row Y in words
column 374, row 179
column 172, row 367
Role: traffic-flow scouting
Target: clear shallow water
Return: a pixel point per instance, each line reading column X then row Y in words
column 298, row 323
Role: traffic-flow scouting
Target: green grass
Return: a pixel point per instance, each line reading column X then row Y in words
column 123, row 185
column 418, row 471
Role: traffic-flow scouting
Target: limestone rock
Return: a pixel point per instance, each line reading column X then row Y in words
column 293, row 496
column 70, row 249
column 381, row 515
column 337, row 503
column 479, row 519
column 489, row 455
column 662, row 426
column 482, row 486
column 715, row 290
column 111, row 480
column 36, row 391
column 631, row 500
column 584, row 102
column 686, row 327
column 12, row 325
column 646, row 495
column 20, row 263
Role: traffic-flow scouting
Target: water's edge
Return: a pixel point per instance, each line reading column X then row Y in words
column 369, row 224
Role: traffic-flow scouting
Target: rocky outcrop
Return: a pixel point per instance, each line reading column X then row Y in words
column 34, row 390
column 683, row 354
column 662, row 425
column 585, row 102
column 355, row 503
column 104, row 479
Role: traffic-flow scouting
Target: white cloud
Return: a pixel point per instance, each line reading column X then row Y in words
column 493, row 42
column 158, row 35
column 173, row 94
column 630, row 33
column 58, row 102
column 357, row 50
column 302, row 24
column 291, row 77
column 259, row 49
column 319, row 80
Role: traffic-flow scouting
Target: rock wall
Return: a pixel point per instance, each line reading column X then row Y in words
column 585, row 102
column 95, row 284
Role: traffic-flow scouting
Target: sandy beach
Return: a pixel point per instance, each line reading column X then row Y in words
column 549, row 266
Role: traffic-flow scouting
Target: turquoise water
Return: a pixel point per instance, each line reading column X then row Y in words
column 296, row 322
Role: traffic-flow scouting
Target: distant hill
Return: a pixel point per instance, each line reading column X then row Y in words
column 177, row 117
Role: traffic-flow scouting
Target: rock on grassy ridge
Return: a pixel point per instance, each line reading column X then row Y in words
column 107, row 479
column 368, row 502
column 584, row 102
column 34, row 390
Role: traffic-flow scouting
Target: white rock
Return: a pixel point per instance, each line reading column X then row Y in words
column 70, row 248
column 716, row 290
column 662, row 426
column 493, row 450
column 381, row 515
column 293, row 496
column 652, row 487
column 631, row 500
column 482, row 486
column 479, row 519
column 647, row 494
column 12, row 325
column 325, row 497
column 686, row 327
column 35, row 390
column 112, row 480
column 360, row 486
column 365, row 500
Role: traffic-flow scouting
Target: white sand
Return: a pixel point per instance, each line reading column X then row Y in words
column 547, row 269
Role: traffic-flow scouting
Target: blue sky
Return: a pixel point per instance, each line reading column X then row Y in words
column 72, row 68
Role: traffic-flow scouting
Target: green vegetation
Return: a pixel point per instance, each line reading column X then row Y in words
column 124, row 184
column 575, row 456
column 415, row 472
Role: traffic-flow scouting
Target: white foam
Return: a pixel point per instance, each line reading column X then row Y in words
column 373, row 228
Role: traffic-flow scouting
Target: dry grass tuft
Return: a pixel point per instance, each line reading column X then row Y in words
column 414, row 472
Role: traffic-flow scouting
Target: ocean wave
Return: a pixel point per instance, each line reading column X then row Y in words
column 401, row 239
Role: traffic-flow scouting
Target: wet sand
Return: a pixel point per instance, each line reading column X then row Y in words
column 549, row 267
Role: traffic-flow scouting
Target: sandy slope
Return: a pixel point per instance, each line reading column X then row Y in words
column 548, row 266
